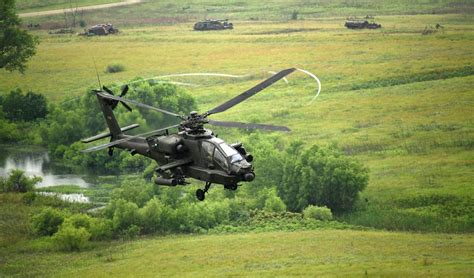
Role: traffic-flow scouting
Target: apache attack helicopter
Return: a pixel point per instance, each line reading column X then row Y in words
column 193, row 151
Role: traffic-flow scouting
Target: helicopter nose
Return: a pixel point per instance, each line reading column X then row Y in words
column 249, row 176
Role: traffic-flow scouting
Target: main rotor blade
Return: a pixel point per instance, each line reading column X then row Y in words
column 119, row 141
column 249, row 125
column 140, row 104
column 251, row 92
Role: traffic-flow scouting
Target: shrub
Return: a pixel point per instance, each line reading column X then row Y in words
column 29, row 197
column 274, row 204
column 17, row 181
column 317, row 213
column 101, row 229
column 47, row 222
column 113, row 68
column 70, row 238
column 156, row 217
column 79, row 220
column 132, row 232
column 125, row 215
column 135, row 191
column 322, row 177
column 294, row 15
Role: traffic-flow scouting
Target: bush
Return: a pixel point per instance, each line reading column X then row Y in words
column 294, row 15
column 132, row 232
column 125, row 215
column 101, row 229
column 29, row 197
column 17, row 181
column 322, row 177
column 79, row 220
column 69, row 238
column 135, row 191
column 113, row 68
column 156, row 217
column 317, row 213
column 47, row 222
column 274, row 204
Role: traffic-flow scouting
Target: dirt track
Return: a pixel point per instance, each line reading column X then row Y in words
column 86, row 8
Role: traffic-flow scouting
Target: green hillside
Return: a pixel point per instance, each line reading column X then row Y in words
column 397, row 99
column 42, row 5
column 310, row 253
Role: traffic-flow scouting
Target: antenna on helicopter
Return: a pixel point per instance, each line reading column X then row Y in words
column 96, row 72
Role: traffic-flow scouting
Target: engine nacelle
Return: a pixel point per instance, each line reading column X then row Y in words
column 170, row 145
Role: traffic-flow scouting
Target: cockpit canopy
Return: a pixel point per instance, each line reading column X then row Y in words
column 215, row 149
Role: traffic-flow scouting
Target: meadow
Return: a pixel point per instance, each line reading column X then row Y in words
column 399, row 101
column 319, row 252
column 24, row 6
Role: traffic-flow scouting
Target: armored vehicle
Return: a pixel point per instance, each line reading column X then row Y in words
column 361, row 24
column 211, row 24
column 102, row 30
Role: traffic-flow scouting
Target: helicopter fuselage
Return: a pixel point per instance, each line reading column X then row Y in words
column 199, row 155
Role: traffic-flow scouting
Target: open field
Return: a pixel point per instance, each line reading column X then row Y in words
column 315, row 253
column 170, row 12
column 399, row 101
column 41, row 5
column 310, row 253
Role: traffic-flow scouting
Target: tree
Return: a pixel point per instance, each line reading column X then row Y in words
column 16, row 45
column 29, row 107
column 322, row 177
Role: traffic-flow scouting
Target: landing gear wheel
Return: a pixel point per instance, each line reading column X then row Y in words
column 200, row 194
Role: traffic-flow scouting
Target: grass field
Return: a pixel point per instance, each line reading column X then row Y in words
column 42, row 5
column 399, row 101
column 313, row 253
column 319, row 252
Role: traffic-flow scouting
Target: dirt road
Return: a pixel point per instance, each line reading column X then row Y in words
column 86, row 8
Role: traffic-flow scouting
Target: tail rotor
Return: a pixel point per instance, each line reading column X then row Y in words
column 114, row 103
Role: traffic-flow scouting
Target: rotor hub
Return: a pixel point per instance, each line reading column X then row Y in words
column 194, row 123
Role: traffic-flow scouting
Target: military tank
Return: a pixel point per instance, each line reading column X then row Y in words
column 101, row 30
column 213, row 24
column 361, row 24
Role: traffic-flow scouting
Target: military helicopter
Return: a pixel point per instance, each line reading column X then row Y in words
column 193, row 151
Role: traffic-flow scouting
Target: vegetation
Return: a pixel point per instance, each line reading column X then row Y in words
column 320, row 176
column 38, row 5
column 16, row 45
column 47, row 222
column 316, row 251
column 17, row 181
column 113, row 68
column 318, row 213
column 386, row 104
column 19, row 107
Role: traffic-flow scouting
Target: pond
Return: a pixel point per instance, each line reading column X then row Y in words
column 37, row 163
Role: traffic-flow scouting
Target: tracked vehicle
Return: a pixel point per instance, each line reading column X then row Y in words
column 213, row 24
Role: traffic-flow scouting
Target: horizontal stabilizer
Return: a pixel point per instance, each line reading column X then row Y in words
column 107, row 134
